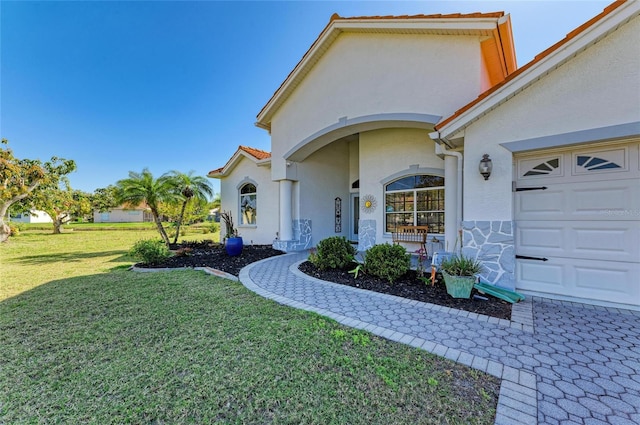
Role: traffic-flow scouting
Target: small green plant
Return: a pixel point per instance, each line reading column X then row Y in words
column 361, row 338
column 433, row 382
column 459, row 265
column 149, row 251
column 485, row 395
column 359, row 268
column 387, row 261
column 230, row 229
column 339, row 334
column 334, row 252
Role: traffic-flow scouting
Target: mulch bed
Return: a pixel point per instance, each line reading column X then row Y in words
column 409, row 286
column 209, row 254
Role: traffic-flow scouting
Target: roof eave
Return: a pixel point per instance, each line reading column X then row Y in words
column 483, row 25
column 544, row 63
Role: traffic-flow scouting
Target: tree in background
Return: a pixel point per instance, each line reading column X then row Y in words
column 56, row 200
column 216, row 202
column 189, row 187
column 82, row 208
column 196, row 211
column 19, row 178
column 144, row 188
column 104, row 198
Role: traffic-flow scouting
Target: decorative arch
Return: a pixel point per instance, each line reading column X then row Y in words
column 413, row 170
column 348, row 126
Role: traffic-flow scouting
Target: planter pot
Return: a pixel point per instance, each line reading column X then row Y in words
column 458, row 286
column 233, row 246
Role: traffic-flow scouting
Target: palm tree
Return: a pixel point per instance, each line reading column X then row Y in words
column 144, row 188
column 189, row 187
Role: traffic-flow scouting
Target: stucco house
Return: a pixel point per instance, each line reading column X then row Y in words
column 123, row 214
column 33, row 216
column 400, row 111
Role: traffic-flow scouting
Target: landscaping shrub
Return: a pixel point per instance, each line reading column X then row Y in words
column 14, row 229
column 334, row 252
column 150, row 251
column 387, row 261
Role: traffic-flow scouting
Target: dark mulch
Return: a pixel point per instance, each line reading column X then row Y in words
column 409, row 286
column 210, row 254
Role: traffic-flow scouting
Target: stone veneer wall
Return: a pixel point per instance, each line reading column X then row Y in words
column 301, row 237
column 492, row 243
column 366, row 234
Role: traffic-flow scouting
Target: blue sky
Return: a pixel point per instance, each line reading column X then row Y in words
column 119, row 86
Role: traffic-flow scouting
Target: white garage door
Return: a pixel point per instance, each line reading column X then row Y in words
column 580, row 237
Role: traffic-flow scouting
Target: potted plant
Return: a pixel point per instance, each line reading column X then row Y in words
column 459, row 273
column 232, row 242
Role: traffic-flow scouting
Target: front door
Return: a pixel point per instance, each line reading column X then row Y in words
column 355, row 217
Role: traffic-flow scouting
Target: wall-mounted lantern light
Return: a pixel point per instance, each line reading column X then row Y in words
column 485, row 166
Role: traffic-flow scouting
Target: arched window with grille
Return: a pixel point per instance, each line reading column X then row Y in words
column 416, row 200
column 248, row 204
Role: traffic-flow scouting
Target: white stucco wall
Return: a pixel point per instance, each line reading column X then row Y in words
column 366, row 74
column 600, row 87
column 384, row 153
column 264, row 232
column 36, row 216
column 119, row 216
column 323, row 177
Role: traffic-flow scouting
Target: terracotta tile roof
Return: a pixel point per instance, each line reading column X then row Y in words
column 335, row 16
column 256, row 153
column 216, row 171
column 535, row 60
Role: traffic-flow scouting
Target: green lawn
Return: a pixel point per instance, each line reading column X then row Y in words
column 86, row 341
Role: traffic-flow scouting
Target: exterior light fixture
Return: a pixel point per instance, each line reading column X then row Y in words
column 485, row 166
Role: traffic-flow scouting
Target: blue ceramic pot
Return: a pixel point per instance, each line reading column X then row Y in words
column 234, row 246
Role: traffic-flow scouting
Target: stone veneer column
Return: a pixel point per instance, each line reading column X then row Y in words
column 366, row 234
column 492, row 243
column 301, row 241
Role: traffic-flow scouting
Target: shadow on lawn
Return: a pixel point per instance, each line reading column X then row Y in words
column 72, row 257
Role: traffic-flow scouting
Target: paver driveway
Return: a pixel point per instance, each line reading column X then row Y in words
column 560, row 362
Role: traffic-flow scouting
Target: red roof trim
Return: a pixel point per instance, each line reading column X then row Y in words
column 258, row 154
column 535, row 60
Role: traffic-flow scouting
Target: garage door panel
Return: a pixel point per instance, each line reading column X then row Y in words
column 597, row 200
column 538, row 236
column 602, row 201
column 596, row 240
column 613, row 282
column 539, row 276
column 540, row 204
column 612, row 243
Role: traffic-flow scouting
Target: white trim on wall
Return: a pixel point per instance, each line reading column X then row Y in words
column 612, row 132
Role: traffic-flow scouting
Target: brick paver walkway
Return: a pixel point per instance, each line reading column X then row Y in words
column 560, row 362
